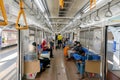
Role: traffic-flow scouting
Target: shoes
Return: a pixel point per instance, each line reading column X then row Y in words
column 48, row 67
column 52, row 57
column 82, row 77
column 78, row 73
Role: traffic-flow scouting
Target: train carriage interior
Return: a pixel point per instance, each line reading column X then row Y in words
column 59, row 39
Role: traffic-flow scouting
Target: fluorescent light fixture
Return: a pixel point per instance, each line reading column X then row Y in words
column 40, row 5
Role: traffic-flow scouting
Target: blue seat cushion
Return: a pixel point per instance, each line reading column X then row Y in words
column 44, row 52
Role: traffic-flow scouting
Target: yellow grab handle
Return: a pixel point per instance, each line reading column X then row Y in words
column 61, row 3
column 92, row 2
column 21, row 12
column 5, row 21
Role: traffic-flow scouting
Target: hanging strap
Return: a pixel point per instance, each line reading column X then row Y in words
column 21, row 12
column 61, row 3
column 92, row 3
column 5, row 21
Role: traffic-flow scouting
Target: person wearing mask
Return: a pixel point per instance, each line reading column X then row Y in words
column 77, row 48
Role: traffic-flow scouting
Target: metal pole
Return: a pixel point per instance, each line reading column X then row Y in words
column 19, row 56
column 105, row 55
column 89, row 39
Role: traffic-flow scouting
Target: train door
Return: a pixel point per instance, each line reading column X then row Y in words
column 113, row 52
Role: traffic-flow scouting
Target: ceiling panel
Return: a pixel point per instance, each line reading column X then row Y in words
column 53, row 6
column 71, row 7
column 76, row 6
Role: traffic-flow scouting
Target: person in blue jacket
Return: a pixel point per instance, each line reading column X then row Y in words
column 80, row 62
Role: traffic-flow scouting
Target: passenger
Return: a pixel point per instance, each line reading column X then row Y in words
column 48, row 48
column 64, row 42
column 80, row 63
column 75, row 43
column 59, row 40
column 51, row 48
column 76, row 50
column 56, row 37
column 44, row 44
column 34, row 44
column 44, row 61
column 66, row 48
column 36, row 49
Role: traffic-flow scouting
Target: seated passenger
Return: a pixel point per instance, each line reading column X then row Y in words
column 77, row 49
column 44, row 44
column 45, row 47
column 66, row 48
column 80, row 62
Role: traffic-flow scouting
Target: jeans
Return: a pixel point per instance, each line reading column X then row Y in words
column 80, row 67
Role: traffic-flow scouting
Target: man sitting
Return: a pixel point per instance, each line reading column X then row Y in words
column 80, row 62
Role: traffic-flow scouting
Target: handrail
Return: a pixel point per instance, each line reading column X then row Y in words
column 92, row 4
column 21, row 12
column 61, row 3
column 5, row 21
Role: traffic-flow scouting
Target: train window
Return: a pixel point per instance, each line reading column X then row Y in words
column 8, row 53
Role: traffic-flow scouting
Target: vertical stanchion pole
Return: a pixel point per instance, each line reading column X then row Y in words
column 105, row 54
column 89, row 39
column 36, row 39
column 19, row 56
column 0, row 42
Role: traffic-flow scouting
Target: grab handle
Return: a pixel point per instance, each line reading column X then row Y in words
column 21, row 12
column 5, row 21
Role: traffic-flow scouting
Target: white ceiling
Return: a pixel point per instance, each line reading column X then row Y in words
column 59, row 22
column 75, row 6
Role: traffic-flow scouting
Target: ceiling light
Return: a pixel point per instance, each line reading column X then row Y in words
column 108, row 12
column 40, row 5
column 97, row 18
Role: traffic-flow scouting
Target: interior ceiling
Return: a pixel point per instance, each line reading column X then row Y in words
column 61, row 17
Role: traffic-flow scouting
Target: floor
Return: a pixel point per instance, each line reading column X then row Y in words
column 117, row 73
column 113, row 75
column 60, row 69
